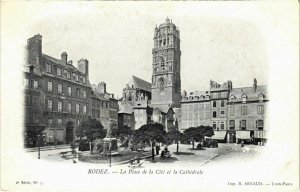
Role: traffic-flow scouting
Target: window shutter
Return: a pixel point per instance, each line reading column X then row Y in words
column 256, row 124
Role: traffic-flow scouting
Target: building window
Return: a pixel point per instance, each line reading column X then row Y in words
column 243, row 124
column 93, row 102
column 49, row 86
column 58, row 71
column 98, row 113
column 222, row 113
column 59, row 88
column 59, row 106
column 260, row 109
column 84, row 94
column 59, row 121
column 244, row 110
column 231, row 125
column 27, row 100
column 260, row 124
column 161, row 85
column 76, row 77
column 50, row 121
column 78, row 92
column 35, row 84
column 93, row 112
column 214, row 114
column 222, row 103
column 232, row 110
column 83, row 80
column 69, row 107
column 222, row 125
column 244, row 99
column 214, row 104
column 70, row 91
column 98, row 103
column 26, row 83
column 50, row 104
column 49, row 68
column 214, row 125
column 106, row 104
column 68, row 75
column 84, row 109
column 77, row 109
column 224, row 94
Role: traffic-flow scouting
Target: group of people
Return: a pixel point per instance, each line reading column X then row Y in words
column 165, row 152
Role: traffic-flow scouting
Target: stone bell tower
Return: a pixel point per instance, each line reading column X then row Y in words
column 166, row 82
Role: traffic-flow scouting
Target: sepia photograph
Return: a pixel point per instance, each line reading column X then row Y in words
column 150, row 96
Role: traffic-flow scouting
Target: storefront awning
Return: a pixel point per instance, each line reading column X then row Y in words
column 260, row 134
column 219, row 135
column 243, row 134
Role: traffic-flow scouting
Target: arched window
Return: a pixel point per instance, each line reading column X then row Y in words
column 161, row 85
column 162, row 63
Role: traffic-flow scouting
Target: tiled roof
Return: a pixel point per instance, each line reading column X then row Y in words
column 140, row 83
column 162, row 108
column 249, row 92
column 59, row 62
column 196, row 96
column 97, row 94
column 125, row 107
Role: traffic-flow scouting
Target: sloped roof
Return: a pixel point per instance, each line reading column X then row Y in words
column 60, row 62
column 249, row 92
column 163, row 108
column 98, row 95
column 140, row 83
column 125, row 107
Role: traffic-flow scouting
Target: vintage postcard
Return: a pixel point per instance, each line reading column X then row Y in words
column 150, row 96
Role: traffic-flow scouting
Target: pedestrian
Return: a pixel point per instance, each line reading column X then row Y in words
column 157, row 149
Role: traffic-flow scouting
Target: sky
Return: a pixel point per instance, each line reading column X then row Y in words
column 217, row 42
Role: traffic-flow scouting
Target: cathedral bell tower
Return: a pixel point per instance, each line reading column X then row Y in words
column 166, row 82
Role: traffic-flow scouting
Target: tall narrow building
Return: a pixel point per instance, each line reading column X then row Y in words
column 166, row 82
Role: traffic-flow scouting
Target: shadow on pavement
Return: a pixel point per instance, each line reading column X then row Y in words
column 163, row 160
column 183, row 153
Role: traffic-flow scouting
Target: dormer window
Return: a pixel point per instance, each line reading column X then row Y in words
column 48, row 68
column 58, row 71
column 244, row 98
column 232, row 97
column 261, row 97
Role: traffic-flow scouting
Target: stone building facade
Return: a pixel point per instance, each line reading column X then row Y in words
column 234, row 113
column 58, row 96
column 166, row 81
column 136, row 89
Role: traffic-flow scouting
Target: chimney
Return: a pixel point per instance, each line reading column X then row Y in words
column 70, row 62
column 254, row 85
column 83, row 66
column 102, row 87
column 64, row 57
column 34, row 50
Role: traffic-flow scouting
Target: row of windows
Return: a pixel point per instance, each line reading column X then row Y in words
column 58, row 121
column 222, row 114
column 103, row 104
column 243, row 124
column 222, row 125
column 195, row 116
column 69, row 107
column 31, row 100
column 60, row 90
column 76, row 77
column 244, row 110
column 195, row 106
column 32, row 84
column 219, row 95
column 214, row 103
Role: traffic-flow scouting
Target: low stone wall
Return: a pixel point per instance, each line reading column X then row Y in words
column 115, row 158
